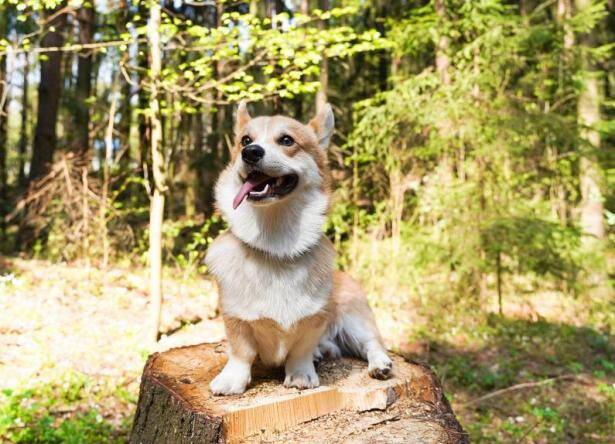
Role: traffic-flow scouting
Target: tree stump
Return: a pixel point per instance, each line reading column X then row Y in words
column 176, row 406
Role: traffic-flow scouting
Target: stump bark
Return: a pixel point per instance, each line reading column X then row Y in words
column 176, row 406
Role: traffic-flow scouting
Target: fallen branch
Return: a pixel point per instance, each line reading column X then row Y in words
column 521, row 386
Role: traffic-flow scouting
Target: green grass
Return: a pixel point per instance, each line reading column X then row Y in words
column 503, row 352
column 66, row 412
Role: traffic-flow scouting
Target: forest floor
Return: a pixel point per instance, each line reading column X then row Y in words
column 71, row 353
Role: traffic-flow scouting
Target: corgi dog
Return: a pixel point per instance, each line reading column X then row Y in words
column 280, row 297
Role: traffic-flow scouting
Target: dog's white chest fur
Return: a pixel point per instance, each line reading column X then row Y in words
column 255, row 285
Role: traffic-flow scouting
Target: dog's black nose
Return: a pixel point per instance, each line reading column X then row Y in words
column 252, row 154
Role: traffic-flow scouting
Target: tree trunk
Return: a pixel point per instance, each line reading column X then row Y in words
column 86, row 19
column 158, row 173
column 590, row 98
column 106, row 167
column 443, row 63
column 558, row 198
column 144, row 123
column 564, row 12
column 304, row 9
column 442, row 46
column 23, row 136
column 175, row 405
column 384, row 62
column 194, row 151
column 125, row 124
column 322, row 93
column 3, row 115
column 49, row 91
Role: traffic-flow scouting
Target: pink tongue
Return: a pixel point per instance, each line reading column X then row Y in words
column 251, row 182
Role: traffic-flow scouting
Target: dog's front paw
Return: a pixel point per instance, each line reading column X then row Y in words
column 302, row 378
column 229, row 383
column 380, row 366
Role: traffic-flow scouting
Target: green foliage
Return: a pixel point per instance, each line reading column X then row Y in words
column 187, row 241
column 39, row 415
column 476, row 174
column 269, row 57
column 532, row 245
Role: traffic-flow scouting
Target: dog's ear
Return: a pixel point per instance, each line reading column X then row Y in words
column 323, row 125
column 242, row 117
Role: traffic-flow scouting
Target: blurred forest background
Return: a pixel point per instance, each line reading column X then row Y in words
column 473, row 171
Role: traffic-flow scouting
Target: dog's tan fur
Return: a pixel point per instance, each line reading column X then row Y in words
column 280, row 297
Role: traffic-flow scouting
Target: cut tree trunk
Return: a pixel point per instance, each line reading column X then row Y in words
column 176, row 406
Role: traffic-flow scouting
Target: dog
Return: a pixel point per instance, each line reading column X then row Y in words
column 280, row 298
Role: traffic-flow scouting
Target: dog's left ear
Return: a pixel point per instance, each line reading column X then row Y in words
column 323, row 125
column 242, row 117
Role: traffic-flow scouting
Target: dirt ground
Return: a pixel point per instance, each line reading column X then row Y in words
column 60, row 317
column 68, row 324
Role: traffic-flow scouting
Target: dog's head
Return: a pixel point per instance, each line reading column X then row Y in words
column 275, row 191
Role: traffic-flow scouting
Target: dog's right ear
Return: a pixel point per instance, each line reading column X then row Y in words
column 323, row 125
column 242, row 117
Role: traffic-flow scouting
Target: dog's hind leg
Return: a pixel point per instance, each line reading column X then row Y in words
column 354, row 328
column 327, row 349
column 360, row 337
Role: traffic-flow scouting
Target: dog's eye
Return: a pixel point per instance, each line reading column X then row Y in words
column 246, row 140
column 286, row 140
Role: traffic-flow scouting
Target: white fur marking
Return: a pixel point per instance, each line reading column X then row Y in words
column 233, row 379
column 254, row 286
column 301, row 374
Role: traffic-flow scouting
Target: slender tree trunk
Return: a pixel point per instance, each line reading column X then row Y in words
column 304, row 9
column 443, row 62
column 590, row 98
column 223, row 115
column 158, row 172
column 563, row 13
column 144, row 123
column 3, row 115
column 125, row 124
column 478, row 278
column 49, row 91
column 384, row 62
column 442, row 59
column 23, row 137
column 322, row 93
column 104, row 207
column 86, row 19
column 498, row 275
column 194, row 151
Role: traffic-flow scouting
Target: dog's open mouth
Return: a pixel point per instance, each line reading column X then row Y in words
column 259, row 186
